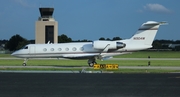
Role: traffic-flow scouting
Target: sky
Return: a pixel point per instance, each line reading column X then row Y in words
column 91, row 19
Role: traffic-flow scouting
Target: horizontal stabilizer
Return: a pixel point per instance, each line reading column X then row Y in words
column 155, row 23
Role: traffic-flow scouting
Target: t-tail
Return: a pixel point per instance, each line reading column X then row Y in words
column 146, row 33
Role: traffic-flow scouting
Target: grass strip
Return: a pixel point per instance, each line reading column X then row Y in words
column 84, row 62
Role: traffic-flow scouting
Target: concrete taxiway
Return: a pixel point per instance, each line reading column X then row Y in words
column 89, row 85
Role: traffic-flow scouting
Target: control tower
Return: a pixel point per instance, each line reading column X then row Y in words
column 46, row 27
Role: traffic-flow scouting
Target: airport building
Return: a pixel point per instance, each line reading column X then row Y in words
column 46, row 27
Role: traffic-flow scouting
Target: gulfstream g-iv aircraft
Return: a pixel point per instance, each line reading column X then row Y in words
column 99, row 49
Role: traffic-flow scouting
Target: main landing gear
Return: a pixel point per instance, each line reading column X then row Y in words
column 25, row 61
column 91, row 62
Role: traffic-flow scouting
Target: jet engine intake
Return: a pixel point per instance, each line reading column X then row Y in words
column 112, row 44
column 120, row 45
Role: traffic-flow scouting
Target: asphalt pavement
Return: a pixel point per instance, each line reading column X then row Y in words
column 89, row 85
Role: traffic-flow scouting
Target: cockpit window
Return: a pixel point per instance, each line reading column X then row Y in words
column 26, row 47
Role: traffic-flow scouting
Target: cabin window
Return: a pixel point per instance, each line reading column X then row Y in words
column 44, row 49
column 67, row 49
column 59, row 49
column 81, row 48
column 52, row 49
column 74, row 49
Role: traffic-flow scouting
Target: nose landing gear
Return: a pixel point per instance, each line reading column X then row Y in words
column 25, row 61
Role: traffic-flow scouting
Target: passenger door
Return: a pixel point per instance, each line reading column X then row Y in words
column 32, row 50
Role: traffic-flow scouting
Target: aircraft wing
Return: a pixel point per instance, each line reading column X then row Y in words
column 80, row 56
column 87, row 56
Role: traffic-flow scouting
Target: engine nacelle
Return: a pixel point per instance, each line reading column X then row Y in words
column 112, row 44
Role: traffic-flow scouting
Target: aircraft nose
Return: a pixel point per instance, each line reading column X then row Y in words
column 14, row 53
column 18, row 54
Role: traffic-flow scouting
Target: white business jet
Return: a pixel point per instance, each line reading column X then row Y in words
column 99, row 49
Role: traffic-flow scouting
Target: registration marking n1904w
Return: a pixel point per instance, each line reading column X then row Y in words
column 139, row 38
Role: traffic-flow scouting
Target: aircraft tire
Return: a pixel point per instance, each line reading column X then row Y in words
column 91, row 64
column 24, row 64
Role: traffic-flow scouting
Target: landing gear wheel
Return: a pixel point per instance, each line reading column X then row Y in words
column 25, row 61
column 24, row 64
column 91, row 64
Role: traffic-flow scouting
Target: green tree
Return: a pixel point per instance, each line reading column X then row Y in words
column 116, row 38
column 156, row 44
column 63, row 38
column 16, row 42
column 102, row 38
column 108, row 39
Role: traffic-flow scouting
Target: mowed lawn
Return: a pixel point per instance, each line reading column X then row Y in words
column 140, row 54
column 152, row 54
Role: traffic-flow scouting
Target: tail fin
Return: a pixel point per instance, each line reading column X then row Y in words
column 146, row 33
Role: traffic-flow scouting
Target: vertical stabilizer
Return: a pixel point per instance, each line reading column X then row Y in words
column 146, row 33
